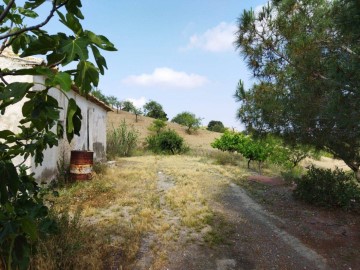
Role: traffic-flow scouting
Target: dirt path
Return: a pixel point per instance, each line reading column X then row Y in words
column 263, row 236
column 186, row 213
column 257, row 241
column 253, row 238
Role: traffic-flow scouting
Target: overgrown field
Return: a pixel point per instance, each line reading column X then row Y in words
column 141, row 206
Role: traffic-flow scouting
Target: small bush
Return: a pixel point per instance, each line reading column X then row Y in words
column 216, row 126
column 99, row 167
column 157, row 126
column 167, row 142
column 122, row 141
column 328, row 188
column 226, row 158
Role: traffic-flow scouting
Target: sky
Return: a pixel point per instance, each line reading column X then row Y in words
column 178, row 53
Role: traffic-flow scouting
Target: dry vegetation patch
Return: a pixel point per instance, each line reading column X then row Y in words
column 144, row 208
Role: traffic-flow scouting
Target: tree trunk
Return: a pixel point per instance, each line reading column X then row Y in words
column 260, row 167
column 355, row 167
column 249, row 163
column 357, row 175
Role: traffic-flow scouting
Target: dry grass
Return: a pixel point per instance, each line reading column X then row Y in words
column 143, row 205
column 199, row 140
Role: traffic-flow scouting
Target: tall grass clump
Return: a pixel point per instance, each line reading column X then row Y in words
column 122, row 141
column 73, row 246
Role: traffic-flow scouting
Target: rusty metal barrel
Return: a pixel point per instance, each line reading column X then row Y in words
column 81, row 165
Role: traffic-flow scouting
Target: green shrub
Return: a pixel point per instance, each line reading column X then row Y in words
column 216, row 126
column 122, row 141
column 157, row 126
column 328, row 188
column 292, row 175
column 188, row 120
column 227, row 158
column 250, row 148
column 167, row 142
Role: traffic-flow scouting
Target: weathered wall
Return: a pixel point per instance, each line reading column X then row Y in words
column 93, row 129
column 92, row 133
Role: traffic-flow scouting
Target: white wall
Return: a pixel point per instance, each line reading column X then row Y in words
column 93, row 129
column 92, row 135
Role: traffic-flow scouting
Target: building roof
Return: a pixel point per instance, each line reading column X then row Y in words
column 93, row 99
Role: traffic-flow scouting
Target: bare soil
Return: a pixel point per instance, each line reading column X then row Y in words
column 333, row 233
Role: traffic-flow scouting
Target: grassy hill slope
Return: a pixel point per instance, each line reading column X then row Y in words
column 199, row 140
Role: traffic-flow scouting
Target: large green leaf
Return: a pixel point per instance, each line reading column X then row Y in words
column 71, row 22
column 100, row 60
column 64, row 80
column 73, row 120
column 87, row 76
column 29, row 227
column 9, row 180
column 42, row 45
column 100, row 41
column 32, row 4
column 6, row 133
column 73, row 7
column 74, row 49
column 13, row 93
column 28, row 12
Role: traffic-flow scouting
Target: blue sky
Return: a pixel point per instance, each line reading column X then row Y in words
column 178, row 53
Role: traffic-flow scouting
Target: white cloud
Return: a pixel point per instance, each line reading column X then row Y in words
column 167, row 77
column 138, row 103
column 217, row 39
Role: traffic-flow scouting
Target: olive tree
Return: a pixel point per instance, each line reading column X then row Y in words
column 188, row 120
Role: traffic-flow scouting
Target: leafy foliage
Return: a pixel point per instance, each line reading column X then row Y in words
column 288, row 156
column 155, row 110
column 137, row 113
column 157, row 126
column 166, row 142
column 328, row 188
column 216, row 126
column 128, row 106
column 23, row 214
column 122, row 141
column 256, row 150
column 112, row 100
column 100, row 96
column 188, row 120
column 305, row 56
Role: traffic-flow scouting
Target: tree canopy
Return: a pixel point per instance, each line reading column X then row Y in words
column 128, row 106
column 305, row 56
column 216, row 126
column 188, row 120
column 100, row 96
column 155, row 110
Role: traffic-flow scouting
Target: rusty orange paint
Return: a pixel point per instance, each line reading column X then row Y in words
column 81, row 164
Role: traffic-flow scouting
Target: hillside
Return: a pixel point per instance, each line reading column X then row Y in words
column 200, row 140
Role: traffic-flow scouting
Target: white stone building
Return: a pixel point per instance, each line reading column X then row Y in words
column 93, row 127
